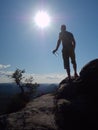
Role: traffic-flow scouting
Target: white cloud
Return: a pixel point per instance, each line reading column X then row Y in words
column 4, row 66
column 5, row 79
column 5, row 76
column 6, row 73
column 47, row 78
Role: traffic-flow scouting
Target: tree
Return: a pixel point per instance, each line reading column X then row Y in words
column 29, row 80
column 18, row 76
column 29, row 84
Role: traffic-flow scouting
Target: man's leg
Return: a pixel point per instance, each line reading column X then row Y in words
column 73, row 61
column 67, row 67
column 68, row 73
column 75, row 69
column 65, row 56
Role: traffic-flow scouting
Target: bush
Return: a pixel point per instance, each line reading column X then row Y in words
column 18, row 102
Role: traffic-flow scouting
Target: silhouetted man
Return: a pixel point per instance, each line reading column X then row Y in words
column 68, row 51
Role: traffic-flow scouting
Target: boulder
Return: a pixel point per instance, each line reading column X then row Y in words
column 90, row 71
column 77, row 104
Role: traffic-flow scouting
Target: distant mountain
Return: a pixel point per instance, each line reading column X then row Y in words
column 46, row 88
column 8, row 88
column 12, row 88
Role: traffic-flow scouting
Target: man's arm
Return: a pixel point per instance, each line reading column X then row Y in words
column 57, row 46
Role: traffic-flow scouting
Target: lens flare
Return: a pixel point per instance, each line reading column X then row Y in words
column 42, row 19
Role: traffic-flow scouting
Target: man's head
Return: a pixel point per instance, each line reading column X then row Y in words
column 63, row 27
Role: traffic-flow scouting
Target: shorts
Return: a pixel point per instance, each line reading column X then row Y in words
column 68, row 54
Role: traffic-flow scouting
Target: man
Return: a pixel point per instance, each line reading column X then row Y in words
column 68, row 51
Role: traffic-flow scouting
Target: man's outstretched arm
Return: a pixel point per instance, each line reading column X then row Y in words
column 57, row 46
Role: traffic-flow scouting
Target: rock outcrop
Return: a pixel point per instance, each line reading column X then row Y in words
column 77, row 101
column 37, row 115
column 73, row 106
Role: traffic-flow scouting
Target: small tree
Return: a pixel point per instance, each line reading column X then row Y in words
column 29, row 80
column 29, row 84
column 18, row 76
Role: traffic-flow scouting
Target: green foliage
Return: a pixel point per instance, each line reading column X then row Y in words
column 18, row 102
column 18, row 76
column 29, row 80
column 32, row 86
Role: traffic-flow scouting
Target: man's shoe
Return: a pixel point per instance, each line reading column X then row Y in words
column 76, row 75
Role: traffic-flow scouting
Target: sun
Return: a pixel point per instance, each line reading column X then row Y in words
column 42, row 19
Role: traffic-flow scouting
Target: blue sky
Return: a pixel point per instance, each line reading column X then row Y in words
column 24, row 45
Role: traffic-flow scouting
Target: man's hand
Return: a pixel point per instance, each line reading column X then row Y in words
column 57, row 46
column 54, row 51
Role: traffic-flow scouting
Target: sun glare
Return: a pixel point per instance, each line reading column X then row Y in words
column 42, row 19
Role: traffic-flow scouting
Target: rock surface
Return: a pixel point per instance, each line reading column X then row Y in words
column 37, row 115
